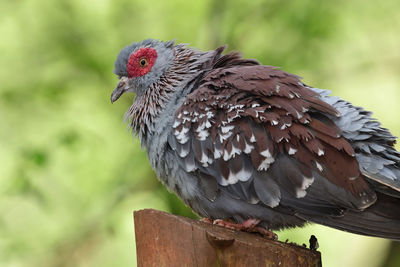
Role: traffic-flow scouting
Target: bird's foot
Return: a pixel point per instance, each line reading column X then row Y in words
column 249, row 225
column 206, row 220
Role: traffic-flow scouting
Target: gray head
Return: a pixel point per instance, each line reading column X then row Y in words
column 141, row 64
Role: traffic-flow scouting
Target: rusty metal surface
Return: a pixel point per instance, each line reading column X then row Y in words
column 163, row 239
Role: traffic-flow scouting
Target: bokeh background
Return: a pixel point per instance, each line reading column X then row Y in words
column 70, row 172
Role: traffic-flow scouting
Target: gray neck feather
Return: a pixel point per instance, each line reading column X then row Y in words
column 152, row 112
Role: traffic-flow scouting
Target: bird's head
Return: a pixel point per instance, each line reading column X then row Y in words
column 141, row 64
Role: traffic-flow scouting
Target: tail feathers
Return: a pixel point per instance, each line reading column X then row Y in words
column 380, row 220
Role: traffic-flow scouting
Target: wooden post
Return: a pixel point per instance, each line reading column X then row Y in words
column 163, row 239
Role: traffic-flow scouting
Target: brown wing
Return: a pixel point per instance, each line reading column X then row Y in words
column 265, row 137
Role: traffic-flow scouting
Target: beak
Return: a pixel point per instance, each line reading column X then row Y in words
column 122, row 87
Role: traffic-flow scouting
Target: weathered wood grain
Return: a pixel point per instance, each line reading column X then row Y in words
column 163, row 239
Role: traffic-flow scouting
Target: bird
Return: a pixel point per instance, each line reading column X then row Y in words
column 251, row 147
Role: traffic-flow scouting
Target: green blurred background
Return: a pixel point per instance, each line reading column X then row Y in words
column 71, row 174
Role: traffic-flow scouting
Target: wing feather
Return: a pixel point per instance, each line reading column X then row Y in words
column 265, row 136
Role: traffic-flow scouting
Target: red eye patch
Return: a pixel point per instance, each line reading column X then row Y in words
column 141, row 62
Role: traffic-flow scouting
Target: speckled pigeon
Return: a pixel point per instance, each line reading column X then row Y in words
column 253, row 146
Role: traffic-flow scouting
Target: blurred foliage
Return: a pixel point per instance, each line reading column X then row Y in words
column 71, row 174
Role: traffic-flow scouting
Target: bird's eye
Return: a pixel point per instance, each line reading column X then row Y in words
column 143, row 62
